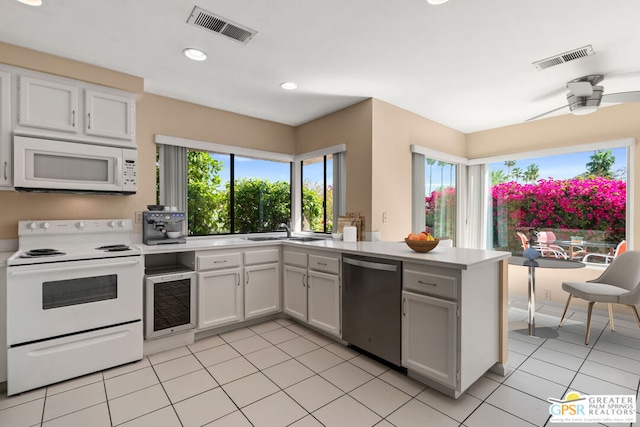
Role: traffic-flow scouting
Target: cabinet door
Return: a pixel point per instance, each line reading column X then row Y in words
column 109, row 115
column 429, row 337
column 219, row 297
column 323, row 293
column 48, row 105
column 261, row 290
column 295, row 292
column 5, row 130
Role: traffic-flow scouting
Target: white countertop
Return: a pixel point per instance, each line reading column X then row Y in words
column 459, row 258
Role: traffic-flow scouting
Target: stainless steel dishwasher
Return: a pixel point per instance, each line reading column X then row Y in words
column 371, row 305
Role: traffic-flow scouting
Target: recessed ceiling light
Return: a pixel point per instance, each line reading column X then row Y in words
column 289, row 85
column 195, row 54
column 437, row 2
column 31, row 2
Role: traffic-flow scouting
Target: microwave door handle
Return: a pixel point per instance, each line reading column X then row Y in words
column 118, row 172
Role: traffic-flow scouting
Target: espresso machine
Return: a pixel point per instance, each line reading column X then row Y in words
column 163, row 227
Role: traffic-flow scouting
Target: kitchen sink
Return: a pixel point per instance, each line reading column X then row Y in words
column 295, row 238
column 303, row 239
column 264, row 238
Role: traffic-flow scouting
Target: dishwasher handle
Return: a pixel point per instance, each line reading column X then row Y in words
column 369, row 264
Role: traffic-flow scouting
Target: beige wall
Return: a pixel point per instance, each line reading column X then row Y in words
column 394, row 131
column 155, row 115
column 351, row 126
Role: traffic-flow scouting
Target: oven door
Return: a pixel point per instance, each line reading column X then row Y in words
column 170, row 304
column 54, row 299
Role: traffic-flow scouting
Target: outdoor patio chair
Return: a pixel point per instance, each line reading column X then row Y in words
column 621, row 248
column 619, row 283
column 546, row 241
column 544, row 250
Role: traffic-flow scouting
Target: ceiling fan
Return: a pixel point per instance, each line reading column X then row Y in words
column 585, row 96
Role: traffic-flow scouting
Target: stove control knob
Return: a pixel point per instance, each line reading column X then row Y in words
column 81, row 225
column 44, row 225
column 32, row 226
column 121, row 223
column 111, row 224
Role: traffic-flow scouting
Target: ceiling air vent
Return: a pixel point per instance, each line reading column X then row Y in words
column 219, row 25
column 564, row 57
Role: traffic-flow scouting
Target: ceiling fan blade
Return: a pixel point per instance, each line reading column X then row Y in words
column 633, row 96
column 580, row 88
column 548, row 112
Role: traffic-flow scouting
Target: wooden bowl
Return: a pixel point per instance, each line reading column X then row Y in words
column 422, row 246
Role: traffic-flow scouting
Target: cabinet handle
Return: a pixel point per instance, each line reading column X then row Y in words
column 88, row 120
column 427, row 283
column 6, row 165
column 220, row 262
column 73, row 118
column 404, row 301
column 304, row 278
column 247, row 278
column 322, row 263
column 238, row 276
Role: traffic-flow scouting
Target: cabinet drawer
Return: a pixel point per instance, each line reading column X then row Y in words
column 326, row 264
column 298, row 259
column 430, row 283
column 262, row 256
column 216, row 261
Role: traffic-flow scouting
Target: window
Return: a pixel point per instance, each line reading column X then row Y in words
column 440, row 201
column 228, row 189
column 317, row 194
column 259, row 199
column 568, row 205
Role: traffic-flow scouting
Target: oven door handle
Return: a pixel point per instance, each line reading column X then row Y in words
column 83, row 267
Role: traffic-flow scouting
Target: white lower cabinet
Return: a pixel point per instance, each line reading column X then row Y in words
column 219, row 297
column 429, row 337
column 323, row 299
column 311, row 284
column 450, row 329
column 261, row 290
column 295, row 292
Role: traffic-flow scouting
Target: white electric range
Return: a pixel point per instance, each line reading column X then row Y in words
column 74, row 301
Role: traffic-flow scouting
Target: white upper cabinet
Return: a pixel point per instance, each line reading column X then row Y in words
column 48, row 105
column 5, row 129
column 55, row 107
column 109, row 115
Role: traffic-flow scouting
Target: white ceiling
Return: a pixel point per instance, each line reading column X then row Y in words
column 466, row 64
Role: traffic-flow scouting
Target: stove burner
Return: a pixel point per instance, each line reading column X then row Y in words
column 114, row 248
column 35, row 253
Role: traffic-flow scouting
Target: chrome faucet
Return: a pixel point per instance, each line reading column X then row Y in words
column 285, row 226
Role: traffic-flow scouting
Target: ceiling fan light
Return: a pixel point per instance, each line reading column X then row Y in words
column 583, row 105
column 583, row 111
column 437, row 2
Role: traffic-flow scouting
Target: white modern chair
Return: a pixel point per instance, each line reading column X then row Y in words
column 619, row 283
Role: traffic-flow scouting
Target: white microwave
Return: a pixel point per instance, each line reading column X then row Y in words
column 48, row 165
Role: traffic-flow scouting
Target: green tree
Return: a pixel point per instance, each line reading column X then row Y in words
column 517, row 173
column 509, row 164
column 430, row 162
column 532, row 173
column 207, row 203
column 498, row 177
column 312, row 206
column 600, row 163
column 261, row 205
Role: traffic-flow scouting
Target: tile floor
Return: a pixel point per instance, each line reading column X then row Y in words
column 279, row 373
